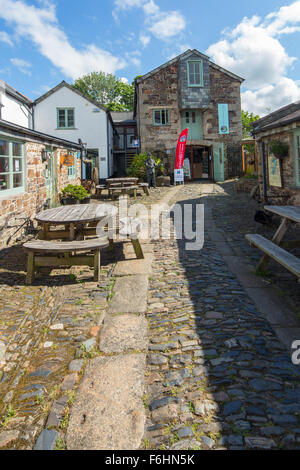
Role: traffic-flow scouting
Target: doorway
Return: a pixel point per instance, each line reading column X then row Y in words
column 51, row 189
column 198, row 159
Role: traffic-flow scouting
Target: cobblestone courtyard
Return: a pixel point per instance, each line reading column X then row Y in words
column 217, row 376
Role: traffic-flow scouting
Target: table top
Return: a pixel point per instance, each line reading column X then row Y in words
column 77, row 213
column 288, row 212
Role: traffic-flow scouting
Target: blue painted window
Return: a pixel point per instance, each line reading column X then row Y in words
column 161, row 117
column 12, row 167
column 72, row 169
column 65, row 118
column 195, row 73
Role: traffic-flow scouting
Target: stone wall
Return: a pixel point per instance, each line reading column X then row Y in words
column 15, row 209
column 159, row 91
column 288, row 193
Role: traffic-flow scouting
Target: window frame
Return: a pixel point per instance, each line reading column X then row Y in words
column 72, row 169
column 66, row 126
column 198, row 85
column 20, row 189
column 168, row 114
column 297, row 157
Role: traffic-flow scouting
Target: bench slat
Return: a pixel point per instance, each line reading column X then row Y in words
column 289, row 261
column 65, row 247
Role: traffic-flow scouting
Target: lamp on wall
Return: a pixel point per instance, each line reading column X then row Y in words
column 44, row 155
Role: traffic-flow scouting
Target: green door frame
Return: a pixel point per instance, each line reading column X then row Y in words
column 218, row 161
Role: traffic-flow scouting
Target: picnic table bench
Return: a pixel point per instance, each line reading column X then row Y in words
column 272, row 249
column 61, row 254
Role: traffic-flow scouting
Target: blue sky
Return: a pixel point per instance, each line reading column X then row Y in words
column 45, row 41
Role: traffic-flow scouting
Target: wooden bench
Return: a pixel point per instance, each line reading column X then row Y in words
column 63, row 255
column 286, row 259
column 145, row 188
column 100, row 188
column 123, row 190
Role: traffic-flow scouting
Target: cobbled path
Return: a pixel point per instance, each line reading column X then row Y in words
column 217, row 376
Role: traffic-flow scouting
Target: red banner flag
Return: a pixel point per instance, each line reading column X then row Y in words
column 180, row 151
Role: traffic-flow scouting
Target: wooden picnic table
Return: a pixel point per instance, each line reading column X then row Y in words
column 71, row 217
column 274, row 249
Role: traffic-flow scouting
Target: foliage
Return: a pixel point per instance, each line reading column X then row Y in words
column 247, row 120
column 279, row 149
column 137, row 168
column 107, row 90
column 75, row 191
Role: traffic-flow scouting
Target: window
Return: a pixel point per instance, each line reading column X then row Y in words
column 195, row 73
column 161, row 117
column 130, row 138
column 65, row 118
column 11, row 167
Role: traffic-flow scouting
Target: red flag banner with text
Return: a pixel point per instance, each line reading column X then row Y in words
column 180, row 151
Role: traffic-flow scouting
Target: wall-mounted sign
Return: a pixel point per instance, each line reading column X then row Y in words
column 223, row 118
column 67, row 160
column 136, row 143
column 274, row 172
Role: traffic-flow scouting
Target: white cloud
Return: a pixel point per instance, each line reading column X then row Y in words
column 40, row 25
column 22, row 65
column 4, row 37
column 145, row 40
column 253, row 50
column 162, row 24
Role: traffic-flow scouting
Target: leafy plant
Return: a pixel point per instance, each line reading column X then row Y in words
column 279, row 149
column 137, row 168
column 75, row 191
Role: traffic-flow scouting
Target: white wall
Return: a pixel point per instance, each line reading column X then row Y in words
column 90, row 126
column 14, row 111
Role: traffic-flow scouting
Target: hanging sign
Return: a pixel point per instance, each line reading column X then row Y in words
column 223, row 118
column 67, row 160
column 180, row 150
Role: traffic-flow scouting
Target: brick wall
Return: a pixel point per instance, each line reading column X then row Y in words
column 16, row 208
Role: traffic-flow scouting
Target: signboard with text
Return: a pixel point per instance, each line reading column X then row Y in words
column 67, row 160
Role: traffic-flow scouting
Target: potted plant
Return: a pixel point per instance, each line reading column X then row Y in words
column 74, row 194
column 279, row 149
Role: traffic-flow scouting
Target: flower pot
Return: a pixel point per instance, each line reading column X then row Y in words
column 71, row 201
column 87, row 200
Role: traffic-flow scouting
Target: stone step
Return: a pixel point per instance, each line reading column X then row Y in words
column 123, row 333
column 130, row 294
column 108, row 413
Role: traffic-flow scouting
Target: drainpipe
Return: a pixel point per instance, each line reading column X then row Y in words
column 264, row 172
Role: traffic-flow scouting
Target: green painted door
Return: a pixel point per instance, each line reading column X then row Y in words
column 218, row 161
column 51, row 190
column 193, row 121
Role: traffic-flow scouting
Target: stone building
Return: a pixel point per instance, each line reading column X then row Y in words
column 31, row 174
column 279, row 175
column 192, row 92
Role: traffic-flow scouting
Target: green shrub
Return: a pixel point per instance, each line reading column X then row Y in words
column 279, row 149
column 138, row 169
column 75, row 191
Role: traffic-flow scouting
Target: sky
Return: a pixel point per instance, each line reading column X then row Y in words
column 43, row 42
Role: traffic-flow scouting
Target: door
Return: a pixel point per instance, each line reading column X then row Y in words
column 192, row 120
column 51, row 190
column 218, row 152
column 197, row 163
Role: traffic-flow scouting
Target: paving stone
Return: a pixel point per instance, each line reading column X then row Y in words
column 8, row 438
column 207, row 441
column 185, row 432
column 69, row 382
column 76, row 365
column 186, row 444
column 89, row 344
column 125, row 299
column 122, row 333
column 108, row 412
column 232, row 407
column 165, row 413
column 259, row 443
column 46, row 440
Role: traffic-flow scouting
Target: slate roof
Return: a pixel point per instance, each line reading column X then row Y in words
column 16, row 94
column 9, row 127
column 281, row 117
